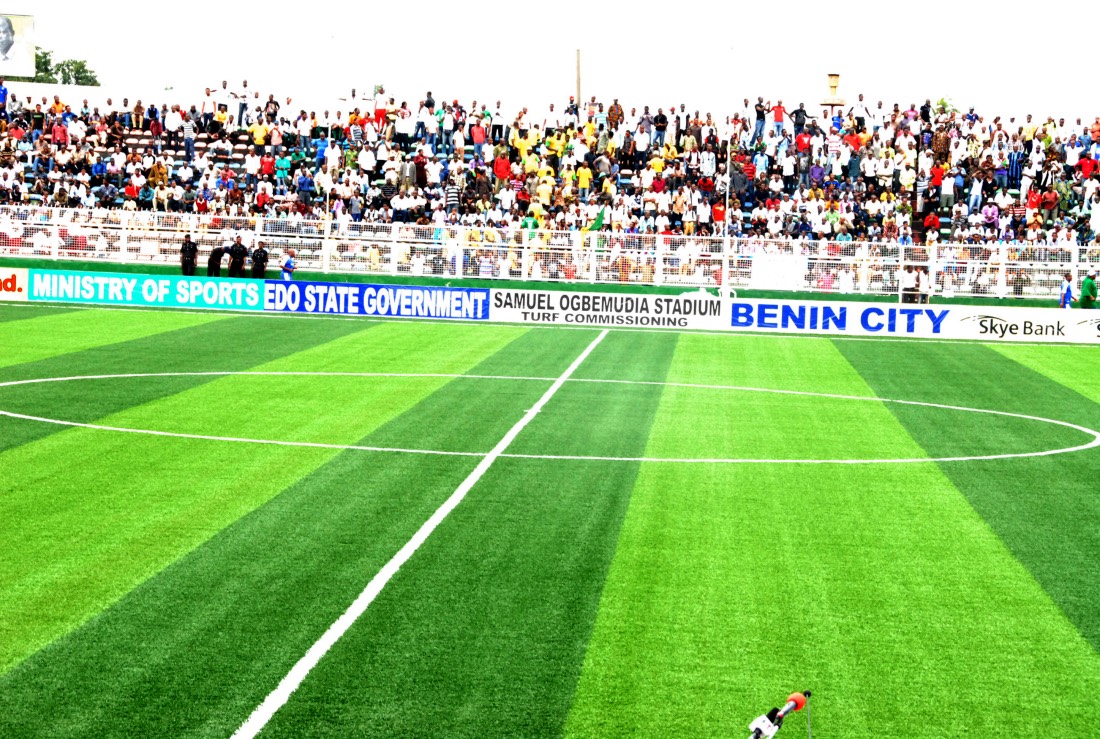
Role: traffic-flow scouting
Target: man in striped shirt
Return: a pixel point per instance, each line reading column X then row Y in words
column 188, row 129
column 453, row 195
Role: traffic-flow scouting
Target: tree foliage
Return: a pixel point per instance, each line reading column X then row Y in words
column 66, row 72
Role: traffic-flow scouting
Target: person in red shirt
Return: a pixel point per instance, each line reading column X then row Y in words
column 267, row 164
column 59, row 134
column 1086, row 165
column 802, row 142
column 718, row 212
column 1050, row 205
column 931, row 223
column 778, row 114
column 502, row 168
column 478, row 138
column 937, row 175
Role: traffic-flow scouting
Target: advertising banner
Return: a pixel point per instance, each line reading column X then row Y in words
column 169, row 291
column 934, row 321
column 358, row 299
column 696, row 310
column 13, row 284
column 17, row 46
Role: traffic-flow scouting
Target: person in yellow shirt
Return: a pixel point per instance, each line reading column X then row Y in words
column 258, row 131
column 221, row 118
column 545, row 192
column 522, row 143
column 546, row 171
column 657, row 162
column 608, row 186
column 530, row 162
column 584, row 180
column 669, row 152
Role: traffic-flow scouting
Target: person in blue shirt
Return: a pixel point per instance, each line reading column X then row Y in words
column 1066, row 298
column 288, row 265
column 305, row 189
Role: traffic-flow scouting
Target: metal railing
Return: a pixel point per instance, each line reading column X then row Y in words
column 346, row 246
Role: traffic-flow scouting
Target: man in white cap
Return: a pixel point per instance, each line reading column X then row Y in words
column 1088, row 291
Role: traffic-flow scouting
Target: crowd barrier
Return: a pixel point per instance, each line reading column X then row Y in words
column 692, row 310
column 345, row 246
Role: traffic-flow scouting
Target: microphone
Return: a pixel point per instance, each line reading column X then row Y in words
column 795, row 702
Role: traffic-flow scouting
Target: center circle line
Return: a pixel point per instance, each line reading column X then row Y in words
column 1095, row 442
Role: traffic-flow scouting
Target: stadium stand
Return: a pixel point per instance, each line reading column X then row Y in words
column 871, row 181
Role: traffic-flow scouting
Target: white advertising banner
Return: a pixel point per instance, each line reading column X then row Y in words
column 928, row 321
column 13, row 284
column 695, row 310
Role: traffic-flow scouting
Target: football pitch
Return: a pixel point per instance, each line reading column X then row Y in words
column 215, row 523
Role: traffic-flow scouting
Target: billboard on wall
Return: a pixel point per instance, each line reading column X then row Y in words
column 698, row 310
column 16, row 45
column 994, row 322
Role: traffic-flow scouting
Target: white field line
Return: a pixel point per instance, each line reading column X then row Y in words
column 557, row 327
column 278, row 697
column 672, row 460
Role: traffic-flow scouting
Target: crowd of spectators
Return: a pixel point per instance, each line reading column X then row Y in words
column 865, row 172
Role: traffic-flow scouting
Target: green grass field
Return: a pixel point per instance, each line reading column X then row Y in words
column 593, row 582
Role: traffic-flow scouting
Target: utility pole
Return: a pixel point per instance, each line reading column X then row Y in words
column 579, row 100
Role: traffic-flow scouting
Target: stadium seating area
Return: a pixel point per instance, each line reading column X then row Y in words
column 884, row 173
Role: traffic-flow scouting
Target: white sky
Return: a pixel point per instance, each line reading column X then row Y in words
column 706, row 54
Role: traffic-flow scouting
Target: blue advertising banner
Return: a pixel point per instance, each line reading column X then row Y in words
column 356, row 299
column 167, row 291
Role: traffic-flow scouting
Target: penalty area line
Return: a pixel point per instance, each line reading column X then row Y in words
column 277, row 698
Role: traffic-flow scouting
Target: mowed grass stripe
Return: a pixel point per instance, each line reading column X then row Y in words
column 85, row 515
column 231, row 344
column 197, row 647
column 57, row 333
column 1044, row 509
column 330, row 409
column 716, row 423
column 1076, row 367
column 482, row 633
column 24, row 311
column 876, row 587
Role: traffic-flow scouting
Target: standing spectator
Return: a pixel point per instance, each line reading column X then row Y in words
column 259, row 261
column 660, row 126
column 238, row 253
column 242, row 95
column 779, row 113
column 760, row 112
column 189, row 254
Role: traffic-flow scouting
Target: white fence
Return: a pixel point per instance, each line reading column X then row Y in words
column 344, row 246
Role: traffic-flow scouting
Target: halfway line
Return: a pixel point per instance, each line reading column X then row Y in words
column 278, row 697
